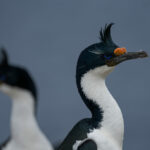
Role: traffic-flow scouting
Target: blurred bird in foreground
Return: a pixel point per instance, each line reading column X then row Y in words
column 18, row 84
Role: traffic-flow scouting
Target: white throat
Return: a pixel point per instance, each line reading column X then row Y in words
column 23, row 117
column 25, row 132
column 94, row 88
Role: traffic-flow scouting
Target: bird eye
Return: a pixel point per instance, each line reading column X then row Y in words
column 107, row 57
column 2, row 77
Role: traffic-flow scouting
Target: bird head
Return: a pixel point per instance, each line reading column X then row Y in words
column 14, row 79
column 102, row 57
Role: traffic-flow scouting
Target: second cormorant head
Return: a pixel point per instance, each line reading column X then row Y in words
column 14, row 78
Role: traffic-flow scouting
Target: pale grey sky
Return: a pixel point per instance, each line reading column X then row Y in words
column 46, row 36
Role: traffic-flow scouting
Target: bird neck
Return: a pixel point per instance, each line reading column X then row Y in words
column 93, row 90
column 24, row 127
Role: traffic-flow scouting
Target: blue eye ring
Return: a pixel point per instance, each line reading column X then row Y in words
column 2, row 77
column 107, row 57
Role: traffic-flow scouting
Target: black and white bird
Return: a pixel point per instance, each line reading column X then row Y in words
column 17, row 83
column 105, row 129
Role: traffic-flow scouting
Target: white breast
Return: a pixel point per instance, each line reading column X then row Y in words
column 25, row 131
column 112, row 126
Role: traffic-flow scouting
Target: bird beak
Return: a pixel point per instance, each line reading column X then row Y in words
column 126, row 56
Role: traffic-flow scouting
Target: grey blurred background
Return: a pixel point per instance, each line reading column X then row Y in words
column 46, row 36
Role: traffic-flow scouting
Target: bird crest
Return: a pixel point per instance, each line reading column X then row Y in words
column 105, row 34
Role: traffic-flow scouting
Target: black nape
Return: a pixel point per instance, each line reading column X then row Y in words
column 15, row 76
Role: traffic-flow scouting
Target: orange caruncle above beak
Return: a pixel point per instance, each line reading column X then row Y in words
column 120, row 51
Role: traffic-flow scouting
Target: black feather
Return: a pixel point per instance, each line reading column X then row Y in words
column 88, row 145
column 3, row 145
column 105, row 34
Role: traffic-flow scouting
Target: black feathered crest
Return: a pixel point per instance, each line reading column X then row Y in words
column 3, row 57
column 105, row 34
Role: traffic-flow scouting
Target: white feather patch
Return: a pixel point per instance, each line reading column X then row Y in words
column 25, row 132
column 110, row 135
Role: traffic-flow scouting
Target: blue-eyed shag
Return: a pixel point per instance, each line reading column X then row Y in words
column 105, row 129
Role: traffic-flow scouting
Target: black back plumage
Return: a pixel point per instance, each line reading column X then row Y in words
column 78, row 133
column 5, row 143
